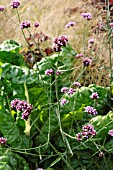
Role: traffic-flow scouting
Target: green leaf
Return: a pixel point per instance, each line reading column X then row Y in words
column 20, row 124
column 109, row 146
column 43, row 135
column 55, row 161
column 68, row 145
column 102, row 125
column 9, row 52
column 61, row 61
column 68, row 51
column 18, row 75
column 10, row 130
column 11, row 161
column 10, row 45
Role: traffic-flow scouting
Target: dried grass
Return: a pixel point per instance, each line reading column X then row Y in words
column 53, row 16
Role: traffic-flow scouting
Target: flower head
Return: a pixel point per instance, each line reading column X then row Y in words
column 70, row 24
column 101, row 154
column 87, row 61
column 14, row 103
column 91, row 41
column 2, row 8
column 22, row 105
column 27, row 112
column 90, row 110
column 49, row 72
column 36, row 24
column 25, row 24
column 25, row 115
column 87, row 132
column 64, row 89
column 79, row 137
column 58, row 42
column 15, row 4
column 63, row 102
column 87, row 16
column 79, row 55
column 110, row 132
column 111, row 24
column 2, row 140
column 77, row 84
column 94, row 95
column 58, row 72
column 71, row 91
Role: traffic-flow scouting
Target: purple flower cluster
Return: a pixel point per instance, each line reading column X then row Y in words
column 2, row 8
column 87, row 16
column 94, row 95
column 79, row 137
column 49, row 72
column 36, row 24
column 101, row 154
column 87, row 61
column 79, row 55
column 2, row 140
column 25, row 24
column 77, row 84
column 91, row 41
column 90, row 110
column 64, row 89
column 110, row 132
column 58, row 42
column 58, row 72
column 87, row 132
column 111, row 25
column 15, row 4
column 63, row 102
column 22, row 106
column 14, row 103
column 70, row 24
column 71, row 91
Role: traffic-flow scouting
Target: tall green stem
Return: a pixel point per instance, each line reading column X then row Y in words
column 58, row 107
column 28, row 127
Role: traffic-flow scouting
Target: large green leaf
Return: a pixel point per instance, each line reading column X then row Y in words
column 18, row 75
column 11, row 161
column 10, row 129
column 10, row 45
column 43, row 135
column 9, row 52
column 102, row 125
column 60, row 61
